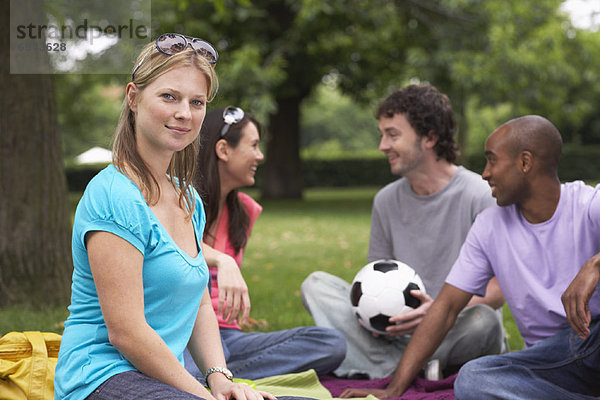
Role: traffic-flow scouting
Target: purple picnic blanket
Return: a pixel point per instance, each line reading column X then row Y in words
column 421, row 389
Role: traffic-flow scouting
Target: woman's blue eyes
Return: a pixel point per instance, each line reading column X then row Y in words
column 168, row 96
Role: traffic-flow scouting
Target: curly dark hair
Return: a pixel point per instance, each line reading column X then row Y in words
column 428, row 111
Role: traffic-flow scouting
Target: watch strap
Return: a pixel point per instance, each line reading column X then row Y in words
column 222, row 370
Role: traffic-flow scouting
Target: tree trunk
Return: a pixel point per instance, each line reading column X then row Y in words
column 283, row 167
column 35, row 257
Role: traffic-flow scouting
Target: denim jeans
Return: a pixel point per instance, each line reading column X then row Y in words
column 562, row 366
column 133, row 385
column 254, row 355
column 478, row 331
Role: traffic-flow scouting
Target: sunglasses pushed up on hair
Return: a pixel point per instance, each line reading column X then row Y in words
column 173, row 43
column 231, row 115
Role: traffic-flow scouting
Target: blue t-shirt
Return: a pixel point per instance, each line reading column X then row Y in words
column 173, row 283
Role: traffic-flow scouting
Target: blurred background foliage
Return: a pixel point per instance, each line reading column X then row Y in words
column 321, row 67
column 312, row 71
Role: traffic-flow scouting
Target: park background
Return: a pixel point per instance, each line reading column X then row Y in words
column 312, row 71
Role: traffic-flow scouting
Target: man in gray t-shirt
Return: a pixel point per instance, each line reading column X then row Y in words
column 427, row 232
column 422, row 220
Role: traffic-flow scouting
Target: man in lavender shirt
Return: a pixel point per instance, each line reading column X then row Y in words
column 542, row 242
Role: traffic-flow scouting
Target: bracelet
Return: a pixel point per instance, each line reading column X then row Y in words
column 222, row 370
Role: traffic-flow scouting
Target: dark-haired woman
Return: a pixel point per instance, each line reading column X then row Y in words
column 229, row 156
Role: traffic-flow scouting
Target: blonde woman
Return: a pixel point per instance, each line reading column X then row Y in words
column 138, row 297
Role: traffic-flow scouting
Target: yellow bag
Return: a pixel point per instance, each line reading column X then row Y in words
column 27, row 364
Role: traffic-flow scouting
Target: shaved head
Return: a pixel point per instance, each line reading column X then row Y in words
column 538, row 136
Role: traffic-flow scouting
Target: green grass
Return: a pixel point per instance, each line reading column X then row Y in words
column 26, row 319
column 328, row 231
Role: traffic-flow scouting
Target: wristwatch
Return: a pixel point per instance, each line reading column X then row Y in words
column 222, row 370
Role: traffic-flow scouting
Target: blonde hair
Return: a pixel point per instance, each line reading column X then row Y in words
column 182, row 167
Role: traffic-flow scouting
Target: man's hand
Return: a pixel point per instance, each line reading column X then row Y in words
column 406, row 323
column 577, row 296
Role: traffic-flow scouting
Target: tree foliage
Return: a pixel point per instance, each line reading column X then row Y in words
column 496, row 59
column 295, row 43
column 91, row 119
column 482, row 53
column 334, row 126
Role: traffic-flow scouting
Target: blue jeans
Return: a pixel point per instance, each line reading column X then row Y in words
column 254, row 355
column 133, row 385
column 562, row 366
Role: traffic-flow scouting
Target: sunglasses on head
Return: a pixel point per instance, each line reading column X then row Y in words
column 173, row 43
column 231, row 115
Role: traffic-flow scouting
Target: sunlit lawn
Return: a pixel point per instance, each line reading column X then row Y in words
column 328, row 230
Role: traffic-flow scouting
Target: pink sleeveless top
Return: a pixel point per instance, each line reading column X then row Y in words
column 223, row 245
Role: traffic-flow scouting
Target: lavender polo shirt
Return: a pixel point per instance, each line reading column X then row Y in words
column 534, row 263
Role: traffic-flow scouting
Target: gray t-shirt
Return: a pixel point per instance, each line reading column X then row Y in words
column 427, row 232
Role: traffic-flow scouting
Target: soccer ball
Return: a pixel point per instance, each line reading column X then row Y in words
column 380, row 290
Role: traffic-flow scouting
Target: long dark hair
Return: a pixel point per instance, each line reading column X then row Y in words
column 207, row 180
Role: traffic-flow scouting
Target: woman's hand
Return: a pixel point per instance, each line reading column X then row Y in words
column 233, row 291
column 224, row 389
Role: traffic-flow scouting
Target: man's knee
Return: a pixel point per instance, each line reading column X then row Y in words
column 312, row 281
column 315, row 286
column 485, row 323
column 465, row 385
column 308, row 287
column 482, row 315
column 462, row 389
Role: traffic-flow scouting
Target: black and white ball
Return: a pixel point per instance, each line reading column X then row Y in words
column 380, row 290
